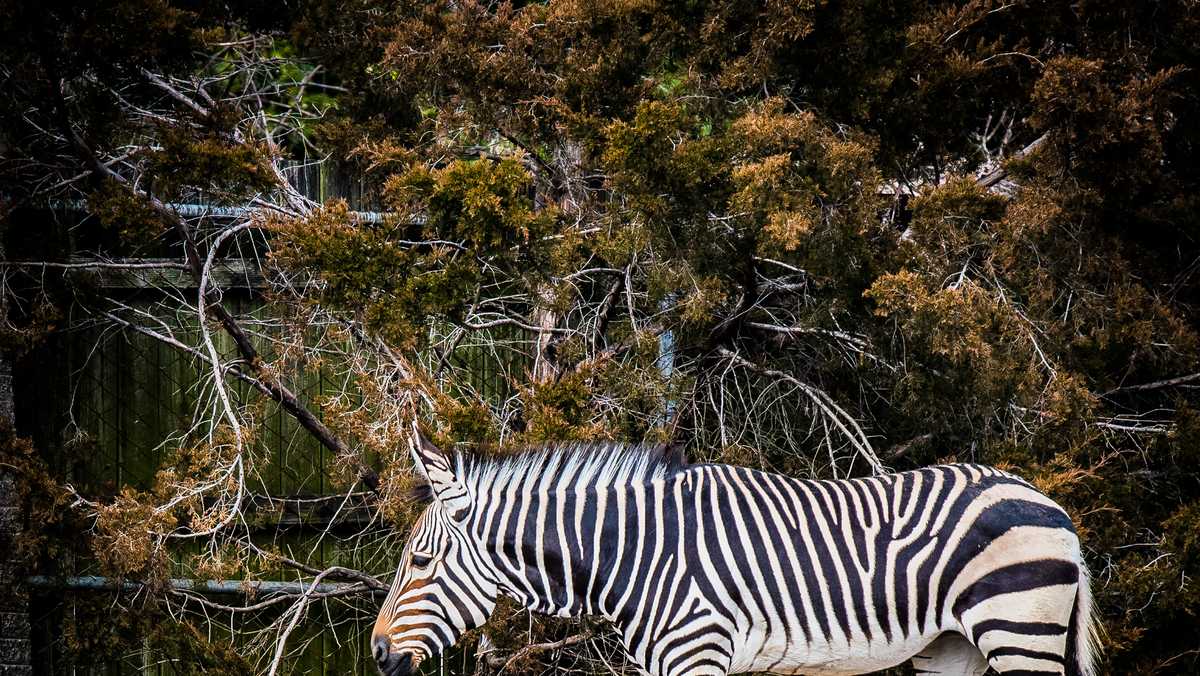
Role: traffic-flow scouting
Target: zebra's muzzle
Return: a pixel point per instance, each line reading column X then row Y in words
column 390, row 663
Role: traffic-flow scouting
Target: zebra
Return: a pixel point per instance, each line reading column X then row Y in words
column 719, row 569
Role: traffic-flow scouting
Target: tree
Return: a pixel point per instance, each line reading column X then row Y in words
column 818, row 238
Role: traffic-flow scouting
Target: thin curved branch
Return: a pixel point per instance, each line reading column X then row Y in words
column 514, row 660
column 843, row 421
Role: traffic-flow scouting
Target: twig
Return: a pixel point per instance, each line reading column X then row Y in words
column 107, row 265
column 900, row 450
column 300, row 606
column 1000, row 173
column 841, row 419
column 1156, row 385
column 512, row 661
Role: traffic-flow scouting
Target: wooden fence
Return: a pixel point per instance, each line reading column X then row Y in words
column 104, row 405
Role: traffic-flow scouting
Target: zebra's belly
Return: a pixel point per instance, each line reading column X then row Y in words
column 777, row 656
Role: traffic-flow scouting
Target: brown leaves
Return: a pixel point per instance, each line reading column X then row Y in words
column 787, row 229
column 120, row 209
column 959, row 325
column 33, row 496
column 1108, row 121
column 744, row 41
column 127, row 541
column 950, row 219
column 213, row 162
column 792, row 176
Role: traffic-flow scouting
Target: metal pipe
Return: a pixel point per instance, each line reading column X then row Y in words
column 666, row 357
column 187, row 210
column 229, row 587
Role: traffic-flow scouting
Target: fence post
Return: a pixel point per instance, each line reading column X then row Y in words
column 15, row 653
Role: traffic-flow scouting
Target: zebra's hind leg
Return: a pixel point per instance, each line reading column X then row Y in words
column 1025, row 632
column 950, row 655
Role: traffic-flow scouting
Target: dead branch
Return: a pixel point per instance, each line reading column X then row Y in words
column 1156, row 385
column 832, row 412
column 1000, row 173
column 514, row 660
column 900, row 450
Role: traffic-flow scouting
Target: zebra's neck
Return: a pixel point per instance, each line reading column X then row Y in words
column 564, row 550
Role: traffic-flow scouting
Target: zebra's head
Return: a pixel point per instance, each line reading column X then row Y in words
column 443, row 586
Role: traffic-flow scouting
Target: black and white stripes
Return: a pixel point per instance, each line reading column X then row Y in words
column 715, row 569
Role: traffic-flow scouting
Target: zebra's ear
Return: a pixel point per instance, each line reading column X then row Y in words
column 438, row 470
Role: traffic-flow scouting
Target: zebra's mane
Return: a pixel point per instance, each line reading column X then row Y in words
column 573, row 465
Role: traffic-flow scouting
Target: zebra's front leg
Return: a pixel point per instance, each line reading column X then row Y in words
column 696, row 653
column 709, row 661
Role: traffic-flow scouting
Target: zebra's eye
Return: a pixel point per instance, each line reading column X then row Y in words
column 421, row 560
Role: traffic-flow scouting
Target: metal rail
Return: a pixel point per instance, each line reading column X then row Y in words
column 188, row 210
column 222, row 587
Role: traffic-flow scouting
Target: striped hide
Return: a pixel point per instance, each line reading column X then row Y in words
column 716, row 569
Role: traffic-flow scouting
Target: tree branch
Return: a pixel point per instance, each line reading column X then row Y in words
column 845, row 423
column 1000, row 173
column 279, row 392
column 1156, row 385
column 506, row 663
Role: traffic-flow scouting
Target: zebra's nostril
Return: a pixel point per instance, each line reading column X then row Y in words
column 390, row 663
column 380, row 649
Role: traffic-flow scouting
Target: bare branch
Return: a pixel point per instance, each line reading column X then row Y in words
column 1000, row 173
column 511, row 662
column 844, row 422
column 1156, row 385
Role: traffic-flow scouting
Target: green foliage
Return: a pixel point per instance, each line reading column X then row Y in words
column 560, row 410
column 401, row 274
column 484, row 206
column 951, row 220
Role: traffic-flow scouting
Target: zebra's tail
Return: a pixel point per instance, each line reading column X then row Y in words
column 1084, row 633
